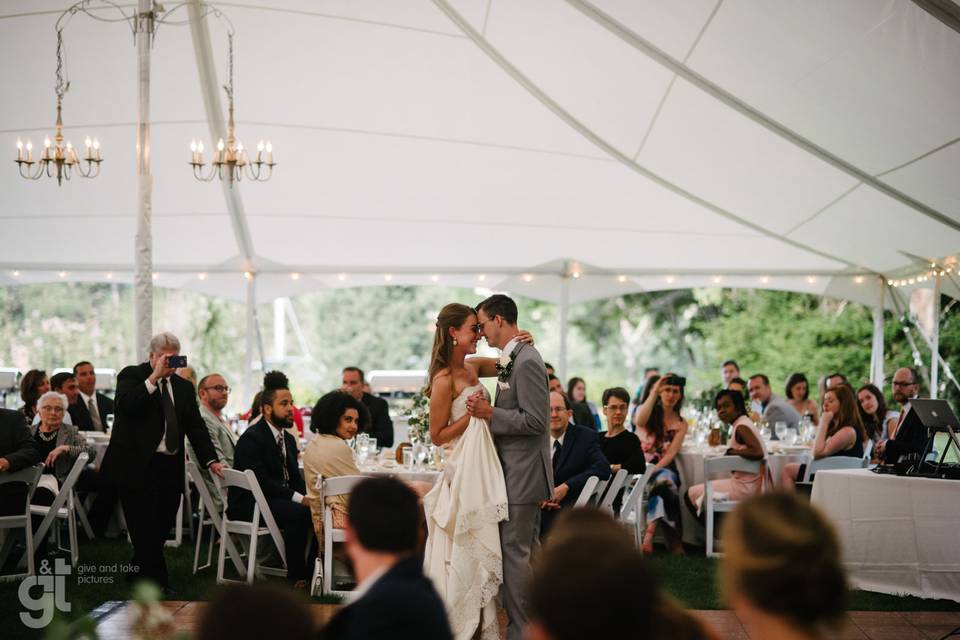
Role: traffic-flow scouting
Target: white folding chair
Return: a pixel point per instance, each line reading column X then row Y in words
column 247, row 481
column 339, row 486
column 209, row 515
column 589, row 488
column 64, row 507
column 721, row 467
column 833, row 462
column 598, row 492
column 868, row 451
column 29, row 476
column 633, row 512
column 606, row 503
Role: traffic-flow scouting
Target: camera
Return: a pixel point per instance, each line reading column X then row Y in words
column 678, row 381
column 176, row 362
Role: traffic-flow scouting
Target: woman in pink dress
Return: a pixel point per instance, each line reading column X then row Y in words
column 745, row 442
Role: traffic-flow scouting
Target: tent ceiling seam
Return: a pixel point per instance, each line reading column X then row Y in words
column 548, row 102
column 486, row 18
column 918, row 158
column 673, row 80
column 330, row 16
column 652, row 51
column 203, row 53
column 822, row 209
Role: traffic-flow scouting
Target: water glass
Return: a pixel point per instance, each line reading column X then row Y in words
column 791, row 438
column 780, row 428
column 408, row 457
column 109, row 422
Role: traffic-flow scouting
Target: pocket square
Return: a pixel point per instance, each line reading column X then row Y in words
column 502, row 385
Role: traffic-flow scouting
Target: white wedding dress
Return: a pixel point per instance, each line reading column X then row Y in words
column 463, row 557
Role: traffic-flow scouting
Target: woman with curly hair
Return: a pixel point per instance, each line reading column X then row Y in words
column 33, row 384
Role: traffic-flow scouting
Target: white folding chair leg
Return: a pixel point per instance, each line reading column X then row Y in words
column 196, row 547
column 84, row 520
column 316, row 579
column 252, row 558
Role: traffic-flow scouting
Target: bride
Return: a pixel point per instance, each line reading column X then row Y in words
column 463, row 556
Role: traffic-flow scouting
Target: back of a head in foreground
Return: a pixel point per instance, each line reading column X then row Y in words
column 254, row 612
column 384, row 514
column 783, row 558
column 592, row 582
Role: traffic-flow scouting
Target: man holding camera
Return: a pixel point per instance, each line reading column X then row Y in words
column 154, row 410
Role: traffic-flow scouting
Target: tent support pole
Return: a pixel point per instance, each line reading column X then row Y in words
column 564, row 310
column 252, row 334
column 876, row 351
column 143, row 242
column 935, row 338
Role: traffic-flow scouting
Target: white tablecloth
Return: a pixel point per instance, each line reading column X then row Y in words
column 690, row 466
column 900, row 535
column 427, row 475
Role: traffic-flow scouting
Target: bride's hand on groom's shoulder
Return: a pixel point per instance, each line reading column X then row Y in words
column 525, row 336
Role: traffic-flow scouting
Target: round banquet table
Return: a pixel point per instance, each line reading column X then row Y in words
column 690, row 466
column 400, row 472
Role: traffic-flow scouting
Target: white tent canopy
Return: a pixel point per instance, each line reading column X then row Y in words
column 810, row 146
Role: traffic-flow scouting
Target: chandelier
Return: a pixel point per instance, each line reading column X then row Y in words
column 56, row 159
column 231, row 162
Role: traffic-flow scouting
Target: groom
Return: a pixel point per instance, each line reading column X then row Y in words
column 521, row 432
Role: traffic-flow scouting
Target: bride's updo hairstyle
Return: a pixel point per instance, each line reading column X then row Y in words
column 452, row 315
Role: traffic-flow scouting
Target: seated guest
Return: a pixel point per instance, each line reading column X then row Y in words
column 214, row 394
column 774, row 409
column 834, row 379
column 554, row 384
column 66, row 383
column 18, row 450
column 59, row 445
column 648, row 372
column 336, row 418
column 728, row 371
column 620, row 447
column 33, row 384
column 380, row 425
column 576, row 456
column 253, row 612
column 93, row 407
column 913, row 440
column 877, row 420
column 797, row 393
column 590, row 553
column 584, row 413
column 271, row 452
column 746, row 443
column 661, row 430
column 737, row 384
column 393, row 598
column 840, row 433
column 781, row 572
column 549, row 368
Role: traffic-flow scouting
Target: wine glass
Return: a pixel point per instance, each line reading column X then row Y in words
column 421, row 455
column 109, row 422
column 792, row 436
column 780, row 429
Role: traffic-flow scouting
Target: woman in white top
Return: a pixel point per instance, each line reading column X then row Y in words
column 877, row 420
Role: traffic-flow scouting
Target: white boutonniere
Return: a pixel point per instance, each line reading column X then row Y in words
column 503, row 385
column 504, row 369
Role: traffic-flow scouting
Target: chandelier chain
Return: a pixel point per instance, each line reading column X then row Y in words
column 62, row 86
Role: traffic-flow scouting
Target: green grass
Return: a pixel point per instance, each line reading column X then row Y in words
column 690, row 579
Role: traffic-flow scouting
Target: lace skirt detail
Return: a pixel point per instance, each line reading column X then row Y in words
column 463, row 556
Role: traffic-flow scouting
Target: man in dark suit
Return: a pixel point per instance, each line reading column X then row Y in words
column 576, row 456
column 18, row 450
column 154, row 410
column 381, row 426
column 393, row 598
column 92, row 407
column 908, row 437
column 271, row 452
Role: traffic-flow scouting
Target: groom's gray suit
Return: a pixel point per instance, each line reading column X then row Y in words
column 521, row 433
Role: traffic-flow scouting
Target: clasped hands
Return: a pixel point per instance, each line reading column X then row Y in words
column 559, row 493
column 479, row 407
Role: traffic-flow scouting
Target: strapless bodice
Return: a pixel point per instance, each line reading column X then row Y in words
column 459, row 408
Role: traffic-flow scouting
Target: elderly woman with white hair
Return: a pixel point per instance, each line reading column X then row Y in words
column 59, row 445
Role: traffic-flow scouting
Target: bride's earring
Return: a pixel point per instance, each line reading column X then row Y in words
column 455, row 343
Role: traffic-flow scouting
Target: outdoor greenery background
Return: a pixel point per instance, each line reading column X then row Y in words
column 611, row 341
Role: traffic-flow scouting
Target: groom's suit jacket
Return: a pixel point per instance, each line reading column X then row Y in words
column 521, row 429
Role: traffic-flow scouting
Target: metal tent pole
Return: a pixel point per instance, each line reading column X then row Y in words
column 935, row 338
column 876, row 351
column 564, row 311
